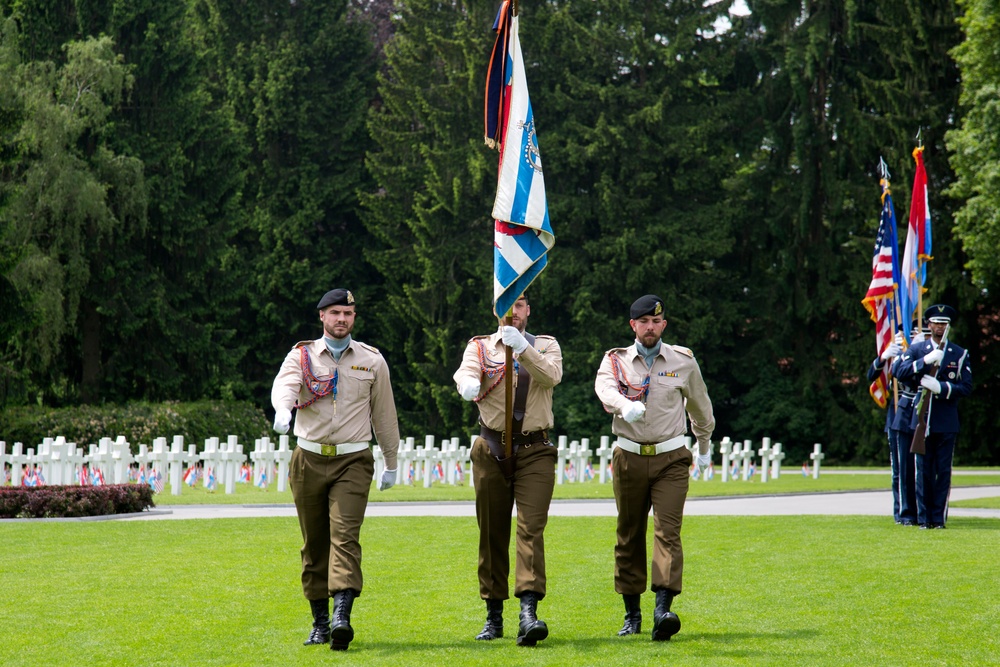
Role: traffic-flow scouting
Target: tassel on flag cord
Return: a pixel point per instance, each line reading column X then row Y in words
column 522, row 232
column 881, row 296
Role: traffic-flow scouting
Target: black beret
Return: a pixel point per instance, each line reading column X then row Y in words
column 940, row 312
column 646, row 305
column 336, row 297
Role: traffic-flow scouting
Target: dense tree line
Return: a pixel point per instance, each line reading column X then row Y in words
column 180, row 182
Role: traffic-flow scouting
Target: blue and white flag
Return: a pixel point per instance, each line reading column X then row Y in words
column 522, row 233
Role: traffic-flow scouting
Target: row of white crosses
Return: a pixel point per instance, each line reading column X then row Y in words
column 576, row 455
column 452, row 455
column 59, row 460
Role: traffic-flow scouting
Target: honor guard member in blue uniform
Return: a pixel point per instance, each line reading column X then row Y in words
column 899, row 432
column 340, row 388
column 530, row 479
column 944, row 373
column 652, row 389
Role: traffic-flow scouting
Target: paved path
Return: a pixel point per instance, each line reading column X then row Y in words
column 873, row 503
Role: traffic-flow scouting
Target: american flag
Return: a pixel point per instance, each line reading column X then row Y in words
column 156, row 481
column 262, row 478
column 880, row 299
column 245, row 474
column 916, row 252
column 522, row 233
column 191, row 476
column 459, row 472
column 710, row 473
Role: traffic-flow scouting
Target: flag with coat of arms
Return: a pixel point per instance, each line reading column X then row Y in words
column 522, row 233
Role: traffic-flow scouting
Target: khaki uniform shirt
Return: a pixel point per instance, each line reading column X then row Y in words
column 364, row 397
column 543, row 362
column 675, row 386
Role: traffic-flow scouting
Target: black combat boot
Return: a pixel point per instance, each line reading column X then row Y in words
column 494, row 621
column 321, row 622
column 342, row 633
column 665, row 622
column 633, row 616
column 530, row 630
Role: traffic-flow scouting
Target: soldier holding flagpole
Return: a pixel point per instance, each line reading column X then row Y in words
column 513, row 460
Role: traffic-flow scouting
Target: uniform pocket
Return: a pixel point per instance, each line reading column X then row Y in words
column 358, row 384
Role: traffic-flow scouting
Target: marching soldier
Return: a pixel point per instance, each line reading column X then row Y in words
column 341, row 390
column 943, row 371
column 528, row 479
column 652, row 389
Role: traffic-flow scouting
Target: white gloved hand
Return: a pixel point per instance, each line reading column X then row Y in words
column 513, row 339
column 933, row 357
column 469, row 389
column 898, row 340
column 633, row 412
column 893, row 350
column 388, row 480
column 931, row 383
column 702, row 461
column 282, row 420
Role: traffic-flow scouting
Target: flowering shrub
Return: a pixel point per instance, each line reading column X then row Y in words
column 46, row 502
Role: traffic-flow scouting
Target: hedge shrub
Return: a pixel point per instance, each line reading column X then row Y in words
column 45, row 502
column 138, row 422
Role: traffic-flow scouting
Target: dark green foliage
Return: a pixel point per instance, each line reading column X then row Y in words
column 140, row 423
column 49, row 502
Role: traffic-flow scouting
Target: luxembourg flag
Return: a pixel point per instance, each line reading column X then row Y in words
column 191, row 476
column 917, row 251
column 805, row 469
column 710, row 473
column 459, row 472
column 262, row 479
column 245, row 474
column 522, row 233
column 210, row 480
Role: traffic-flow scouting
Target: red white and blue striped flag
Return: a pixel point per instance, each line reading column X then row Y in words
column 522, row 233
column 880, row 299
column 917, row 251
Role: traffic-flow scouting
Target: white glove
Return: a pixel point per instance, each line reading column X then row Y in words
column 933, row 357
column 633, row 412
column 388, row 480
column 702, row 461
column 893, row 350
column 898, row 340
column 282, row 420
column 513, row 339
column 931, row 383
column 469, row 389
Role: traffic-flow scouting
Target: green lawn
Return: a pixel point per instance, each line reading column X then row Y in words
column 983, row 503
column 758, row 591
column 791, row 482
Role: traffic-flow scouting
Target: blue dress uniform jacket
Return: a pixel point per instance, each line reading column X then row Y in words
column 955, row 377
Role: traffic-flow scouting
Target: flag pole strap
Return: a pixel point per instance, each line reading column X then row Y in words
column 508, row 441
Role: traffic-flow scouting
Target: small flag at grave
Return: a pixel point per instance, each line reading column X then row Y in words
column 734, row 472
column 438, row 472
column 156, row 481
column 245, row 474
column 6, row 475
column 459, row 472
column 710, row 473
column 142, row 474
column 610, row 472
column 133, row 474
column 96, row 477
column 693, row 471
column 753, row 469
column 409, row 472
column 588, row 472
column 210, row 480
column 191, row 476
column 262, row 479
column 29, row 478
column 805, row 469
column 570, row 473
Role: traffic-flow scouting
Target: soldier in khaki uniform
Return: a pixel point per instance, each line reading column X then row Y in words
column 531, row 476
column 340, row 388
column 648, row 387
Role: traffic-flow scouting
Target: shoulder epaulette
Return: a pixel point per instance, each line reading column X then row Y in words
column 480, row 337
column 616, row 349
column 368, row 347
column 683, row 350
column 303, row 343
column 545, row 336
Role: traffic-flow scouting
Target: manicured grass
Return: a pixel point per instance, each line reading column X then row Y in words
column 757, row 591
column 790, row 482
column 984, row 503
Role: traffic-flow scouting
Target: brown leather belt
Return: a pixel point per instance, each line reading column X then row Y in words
column 495, row 439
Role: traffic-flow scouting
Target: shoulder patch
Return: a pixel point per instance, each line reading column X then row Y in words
column 368, row 347
column 683, row 350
